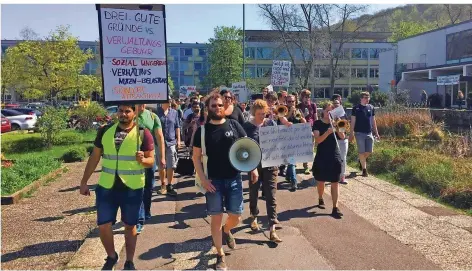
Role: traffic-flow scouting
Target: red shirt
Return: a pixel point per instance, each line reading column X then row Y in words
column 312, row 111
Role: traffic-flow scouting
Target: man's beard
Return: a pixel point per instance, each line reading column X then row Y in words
column 215, row 116
column 124, row 121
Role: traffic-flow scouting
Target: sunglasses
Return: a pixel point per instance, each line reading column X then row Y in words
column 228, row 97
column 216, row 105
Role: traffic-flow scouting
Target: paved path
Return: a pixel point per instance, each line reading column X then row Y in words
column 45, row 230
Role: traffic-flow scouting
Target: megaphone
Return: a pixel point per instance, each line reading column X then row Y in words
column 245, row 154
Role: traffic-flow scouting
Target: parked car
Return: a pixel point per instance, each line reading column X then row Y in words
column 11, row 105
column 30, row 111
column 20, row 121
column 6, row 125
column 111, row 110
column 37, row 106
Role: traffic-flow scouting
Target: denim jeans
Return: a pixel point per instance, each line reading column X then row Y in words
column 227, row 197
column 291, row 174
column 109, row 200
column 145, row 210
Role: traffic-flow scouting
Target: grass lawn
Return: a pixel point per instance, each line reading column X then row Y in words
column 442, row 178
column 32, row 159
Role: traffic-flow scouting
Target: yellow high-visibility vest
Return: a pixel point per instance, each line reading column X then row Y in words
column 122, row 161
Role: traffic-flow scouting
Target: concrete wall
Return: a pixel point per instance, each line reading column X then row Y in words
column 429, row 48
column 416, row 87
column 386, row 69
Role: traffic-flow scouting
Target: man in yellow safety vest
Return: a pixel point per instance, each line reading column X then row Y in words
column 121, row 181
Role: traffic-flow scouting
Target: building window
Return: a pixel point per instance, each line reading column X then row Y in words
column 250, row 72
column 359, row 53
column 250, row 52
column 202, row 52
column 186, row 52
column 359, row 73
column 175, row 80
column 187, row 81
column 174, row 66
column 319, row 93
column 93, row 67
column 325, row 72
column 264, row 53
column 264, row 72
column 374, row 72
column 184, row 66
column 198, row 66
column 174, row 51
column 374, row 53
column 4, row 48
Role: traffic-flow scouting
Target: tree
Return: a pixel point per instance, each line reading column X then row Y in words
column 27, row 33
column 170, row 82
column 225, row 56
column 404, row 29
column 317, row 32
column 50, row 67
column 299, row 35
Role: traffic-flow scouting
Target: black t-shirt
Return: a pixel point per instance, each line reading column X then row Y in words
column 329, row 144
column 237, row 115
column 218, row 141
column 364, row 115
column 252, row 130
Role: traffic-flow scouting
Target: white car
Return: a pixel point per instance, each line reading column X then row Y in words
column 111, row 110
column 20, row 121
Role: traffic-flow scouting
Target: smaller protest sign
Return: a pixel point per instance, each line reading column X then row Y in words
column 240, row 91
column 281, row 73
column 186, row 91
column 286, row 145
column 338, row 112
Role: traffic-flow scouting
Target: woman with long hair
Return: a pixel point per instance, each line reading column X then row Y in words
column 232, row 111
column 327, row 163
column 267, row 176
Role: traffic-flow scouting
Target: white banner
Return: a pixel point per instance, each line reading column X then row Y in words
column 133, row 55
column 186, row 91
column 286, row 145
column 281, row 73
column 448, row 80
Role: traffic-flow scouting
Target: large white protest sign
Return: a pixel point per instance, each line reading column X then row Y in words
column 186, row 91
column 134, row 62
column 281, row 73
column 286, row 145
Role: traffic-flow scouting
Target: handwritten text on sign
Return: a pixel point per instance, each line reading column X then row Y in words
column 286, row 145
column 281, row 73
column 134, row 79
column 133, row 33
column 186, row 91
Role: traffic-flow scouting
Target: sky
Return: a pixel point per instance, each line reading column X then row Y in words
column 185, row 23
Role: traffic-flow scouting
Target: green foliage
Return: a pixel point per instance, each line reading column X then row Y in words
column 355, row 97
column 87, row 114
column 378, row 98
column 51, row 123
column 50, row 67
column 27, row 170
column 405, row 29
column 170, row 82
column 75, row 154
column 440, row 176
column 225, row 56
column 23, row 144
column 68, row 138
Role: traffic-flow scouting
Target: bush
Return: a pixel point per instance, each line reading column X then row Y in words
column 90, row 149
column 435, row 134
column 435, row 100
column 87, row 114
column 24, row 144
column 378, row 98
column 25, row 171
column 68, row 138
column 398, row 121
column 355, row 97
column 52, row 121
column 75, row 154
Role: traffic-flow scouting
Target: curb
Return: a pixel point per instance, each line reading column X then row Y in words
column 18, row 195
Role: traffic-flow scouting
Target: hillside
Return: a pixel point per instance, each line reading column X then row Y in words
column 429, row 16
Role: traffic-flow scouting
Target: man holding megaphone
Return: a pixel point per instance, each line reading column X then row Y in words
column 222, row 182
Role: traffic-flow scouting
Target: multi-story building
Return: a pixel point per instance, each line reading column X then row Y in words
column 358, row 65
column 438, row 61
column 188, row 62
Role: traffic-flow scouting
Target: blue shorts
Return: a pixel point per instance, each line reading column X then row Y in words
column 109, row 200
column 227, row 197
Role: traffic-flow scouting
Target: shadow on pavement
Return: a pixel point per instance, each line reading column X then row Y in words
column 41, row 249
